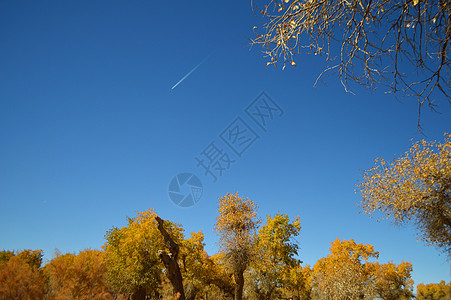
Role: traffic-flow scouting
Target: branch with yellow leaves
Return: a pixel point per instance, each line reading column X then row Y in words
column 403, row 45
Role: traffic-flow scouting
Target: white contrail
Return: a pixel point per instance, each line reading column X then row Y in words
column 189, row 73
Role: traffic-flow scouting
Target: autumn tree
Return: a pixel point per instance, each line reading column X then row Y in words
column 21, row 276
column 391, row 281
column 434, row 291
column 343, row 273
column 236, row 225
column 365, row 41
column 276, row 251
column 200, row 271
column 347, row 273
column 80, row 276
column 414, row 187
column 299, row 283
column 134, row 267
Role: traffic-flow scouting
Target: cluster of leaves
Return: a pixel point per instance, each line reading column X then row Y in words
column 276, row 251
column 344, row 274
column 237, row 215
column 434, row 291
column 392, row 281
column 415, row 186
column 81, row 276
column 366, row 40
column 20, row 275
column 298, row 282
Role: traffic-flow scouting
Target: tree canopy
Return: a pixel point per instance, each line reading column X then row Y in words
column 276, row 251
column 133, row 264
column 391, row 281
column 414, row 187
column 20, row 275
column 343, row 274
column 348, row 273
column 434, row 291
column 81, row 276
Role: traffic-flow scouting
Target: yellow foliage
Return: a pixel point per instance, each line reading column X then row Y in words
column 434, row 291
column 415, row 186
column 392, row 281
column 343, row 273
column 79, row 276
column 20, row 280
column 347, row 273
column 132, row 259
column 298, row 281
column 236, row 214
column 276, row 253
column 236, row 226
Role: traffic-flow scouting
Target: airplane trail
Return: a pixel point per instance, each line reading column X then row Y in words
column 189, row 73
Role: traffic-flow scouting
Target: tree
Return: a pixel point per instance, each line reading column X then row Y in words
column 347, row 273
column 391, row 281
column 21, row 276
column 414, row 187
column 134, row 268
column 298, row 283
column 343, row 274
column 236, row 226
column 434, row 291
column 200, row 271
column 370, row 39
column 79, row 276
column 276, row 251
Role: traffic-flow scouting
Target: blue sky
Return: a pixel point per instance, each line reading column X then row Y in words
column 92, row 132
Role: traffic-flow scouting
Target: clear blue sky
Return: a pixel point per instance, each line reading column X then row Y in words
column 92, row 132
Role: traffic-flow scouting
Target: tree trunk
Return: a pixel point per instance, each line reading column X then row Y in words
column 239, row 284
column 170, row 262
column 140, row 294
